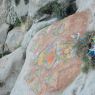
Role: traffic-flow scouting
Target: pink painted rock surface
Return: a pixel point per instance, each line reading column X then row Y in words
column 51, row 64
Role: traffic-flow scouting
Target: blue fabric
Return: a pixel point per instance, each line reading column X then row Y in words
column 91, row 53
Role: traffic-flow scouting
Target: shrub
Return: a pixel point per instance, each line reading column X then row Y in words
column 17, row 22
column 83, row 45
column 59, row 10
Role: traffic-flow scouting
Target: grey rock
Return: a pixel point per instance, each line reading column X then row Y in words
column 14, row 38
column 10, row 67
column 83, row 85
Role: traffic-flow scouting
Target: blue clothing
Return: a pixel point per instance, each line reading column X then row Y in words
column 91, row 52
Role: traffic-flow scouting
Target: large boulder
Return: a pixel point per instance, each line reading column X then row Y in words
column 10, row 67
column 83, row 85
column 14, row 38
column 51, row 63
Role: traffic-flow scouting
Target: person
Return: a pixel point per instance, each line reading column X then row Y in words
column 91, row 52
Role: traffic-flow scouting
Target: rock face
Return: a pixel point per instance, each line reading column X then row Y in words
column 21, row 5
column 80, row 4
column 34, row 6
column 3, row 13
column 10, row 67
column 11, row 10
column 83, row 85
column 50, row 55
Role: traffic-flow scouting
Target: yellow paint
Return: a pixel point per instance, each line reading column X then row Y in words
column 41, row 58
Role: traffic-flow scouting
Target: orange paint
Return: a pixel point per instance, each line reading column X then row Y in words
column 50, row 57
column 41, row 58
